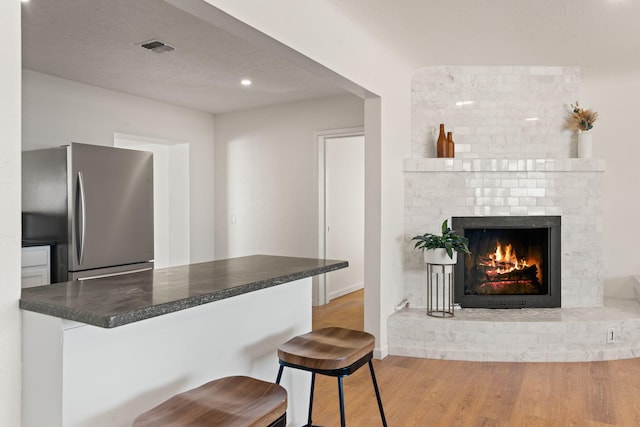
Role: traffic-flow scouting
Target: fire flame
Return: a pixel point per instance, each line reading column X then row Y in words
column 506, row 260
column 503, row 268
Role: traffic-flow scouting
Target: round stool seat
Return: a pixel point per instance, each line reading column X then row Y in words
column 230, row 401
column 327, row 348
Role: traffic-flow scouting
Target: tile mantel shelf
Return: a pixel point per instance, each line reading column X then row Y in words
column 503, row 165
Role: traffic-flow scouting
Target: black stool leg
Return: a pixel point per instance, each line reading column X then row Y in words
column 279, row 374
column 313, row 384
column 375, row 386
column 343, row 422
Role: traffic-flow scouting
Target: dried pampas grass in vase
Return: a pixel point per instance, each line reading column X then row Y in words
column 582, row 120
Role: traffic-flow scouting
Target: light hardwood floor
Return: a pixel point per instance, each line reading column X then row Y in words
column 439, row 393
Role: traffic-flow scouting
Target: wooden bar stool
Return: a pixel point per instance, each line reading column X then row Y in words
column 336, row 352
column 231, row 401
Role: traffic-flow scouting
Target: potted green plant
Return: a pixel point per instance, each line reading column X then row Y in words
column 442, row 249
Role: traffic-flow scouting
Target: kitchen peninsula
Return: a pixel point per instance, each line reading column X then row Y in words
column 100, row 352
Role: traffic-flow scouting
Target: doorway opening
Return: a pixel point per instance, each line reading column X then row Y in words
column 341, row 211
column 171, row 199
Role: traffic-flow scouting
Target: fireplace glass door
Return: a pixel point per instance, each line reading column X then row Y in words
column 514, row 262
column 507, row 262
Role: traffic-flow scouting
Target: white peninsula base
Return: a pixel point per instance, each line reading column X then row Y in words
column 78, row 375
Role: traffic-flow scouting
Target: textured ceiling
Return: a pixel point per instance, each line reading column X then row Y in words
column 601, row 36
column 97, row 42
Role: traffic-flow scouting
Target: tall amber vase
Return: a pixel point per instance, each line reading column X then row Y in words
column 442, row 144
column 451, row 148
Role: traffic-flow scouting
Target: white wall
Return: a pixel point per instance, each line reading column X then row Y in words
column 324, row 34
column 615, row 139
column 58, row 111
column 349, row 51
column 10, row 214
column 266, row 175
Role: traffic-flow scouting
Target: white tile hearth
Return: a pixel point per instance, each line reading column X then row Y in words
column 524, row 335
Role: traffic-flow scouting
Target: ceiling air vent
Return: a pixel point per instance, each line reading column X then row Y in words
column 157, row 46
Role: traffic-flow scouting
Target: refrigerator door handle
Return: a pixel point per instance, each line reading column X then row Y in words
column 81, row 223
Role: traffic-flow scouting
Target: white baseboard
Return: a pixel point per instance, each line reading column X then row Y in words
column 345, row 291
column 381, row 352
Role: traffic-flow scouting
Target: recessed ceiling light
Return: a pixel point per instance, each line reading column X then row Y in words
column 462, row 103
column 245, row 82
column 532, row 119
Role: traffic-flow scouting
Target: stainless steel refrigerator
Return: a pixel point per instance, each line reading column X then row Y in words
column 94, row 204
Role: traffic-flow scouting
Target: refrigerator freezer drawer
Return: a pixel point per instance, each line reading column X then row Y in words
column 110, row 271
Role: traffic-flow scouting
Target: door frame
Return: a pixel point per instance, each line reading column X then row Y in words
column 319, row 294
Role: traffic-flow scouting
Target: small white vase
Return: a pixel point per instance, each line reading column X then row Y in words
column 439, row 256
column 584, row 145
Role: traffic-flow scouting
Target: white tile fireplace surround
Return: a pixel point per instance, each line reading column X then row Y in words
column 436, row 189
column 513, row 158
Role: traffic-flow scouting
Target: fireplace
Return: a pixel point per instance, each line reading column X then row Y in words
column 514, row 262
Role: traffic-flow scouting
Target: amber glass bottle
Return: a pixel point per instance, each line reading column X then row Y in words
column 451, row 149
column 441, row 145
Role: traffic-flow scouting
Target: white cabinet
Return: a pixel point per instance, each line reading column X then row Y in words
column 36, row 266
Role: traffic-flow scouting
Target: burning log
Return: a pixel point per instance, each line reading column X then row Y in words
column 492, row 263
column 529, row 273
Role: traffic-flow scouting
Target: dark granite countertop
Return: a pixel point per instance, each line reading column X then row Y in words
column 115, row 301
